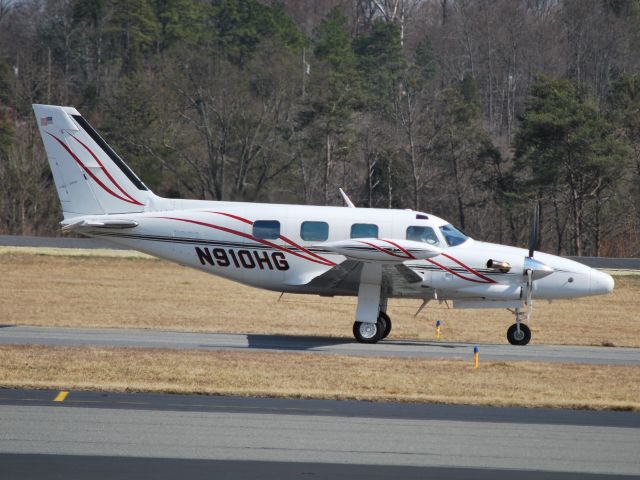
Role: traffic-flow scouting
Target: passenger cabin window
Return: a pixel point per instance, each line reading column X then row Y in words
column 314, row 231
column 453, row 236
column 364, row 230
column 267, row 229
column 422, row 234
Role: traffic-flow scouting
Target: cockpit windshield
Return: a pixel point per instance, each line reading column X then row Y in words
column 453, row 236
column 422, row 234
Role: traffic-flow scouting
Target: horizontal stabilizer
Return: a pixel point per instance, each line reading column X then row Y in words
column 92, row 224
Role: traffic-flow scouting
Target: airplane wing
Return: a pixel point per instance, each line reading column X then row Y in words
column 385, row 270
column 345, row 278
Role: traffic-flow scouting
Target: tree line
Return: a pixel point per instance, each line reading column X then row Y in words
column 471, row 110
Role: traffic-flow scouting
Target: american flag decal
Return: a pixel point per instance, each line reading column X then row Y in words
column 44, row 121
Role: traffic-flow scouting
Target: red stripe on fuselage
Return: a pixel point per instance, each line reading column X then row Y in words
column 251, row 237
column 308, row 252
column 457, row 274
column 282, row 237
column 245, row 220
column 467, row 268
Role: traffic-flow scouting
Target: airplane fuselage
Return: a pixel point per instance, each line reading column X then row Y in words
column 219, row 238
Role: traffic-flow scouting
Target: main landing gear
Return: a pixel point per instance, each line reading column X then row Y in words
column 519, row 333
column 372, row 332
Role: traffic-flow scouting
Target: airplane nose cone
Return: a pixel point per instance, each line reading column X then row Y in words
column 601, row 283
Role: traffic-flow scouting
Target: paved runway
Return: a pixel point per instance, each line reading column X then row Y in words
column 60, row 336
column 161, row 436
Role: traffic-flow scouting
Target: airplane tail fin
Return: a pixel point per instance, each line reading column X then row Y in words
column 91, row 179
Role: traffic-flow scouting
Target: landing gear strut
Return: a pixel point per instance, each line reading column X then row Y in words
column 372, row 332
column 519, row 333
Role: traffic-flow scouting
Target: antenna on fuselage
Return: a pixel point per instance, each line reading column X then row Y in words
column 346, row 199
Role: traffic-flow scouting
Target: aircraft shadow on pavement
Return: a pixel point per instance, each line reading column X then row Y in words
column 422, row 343
column 294, row 342
column 301, row 342
column 286, row 342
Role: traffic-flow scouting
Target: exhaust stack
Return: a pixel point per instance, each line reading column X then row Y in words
column 497, row 265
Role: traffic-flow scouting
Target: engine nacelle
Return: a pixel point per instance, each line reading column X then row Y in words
column 381, row 250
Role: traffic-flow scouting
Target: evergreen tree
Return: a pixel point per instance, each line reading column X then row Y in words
column 381, row 63
column 181, row 22
column 240, row 25
column 133, row 31
column 460, row 143
column 624, row 106
column 569, row 147
column 334, row 92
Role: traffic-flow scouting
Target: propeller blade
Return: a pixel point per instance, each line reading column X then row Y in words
column 529, row 293
column 533, row 236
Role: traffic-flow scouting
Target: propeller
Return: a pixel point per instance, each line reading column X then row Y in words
column 534, row 269
column 535, row 226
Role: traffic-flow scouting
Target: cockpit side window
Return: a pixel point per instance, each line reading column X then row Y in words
column 422, row 234
column 453, row 236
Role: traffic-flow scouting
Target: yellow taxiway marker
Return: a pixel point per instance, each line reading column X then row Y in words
column 61, row 396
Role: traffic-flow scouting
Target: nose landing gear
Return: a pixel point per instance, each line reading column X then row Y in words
column 519, row 333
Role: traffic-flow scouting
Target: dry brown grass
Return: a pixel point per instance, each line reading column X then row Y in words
column 140, row 293
column 321, row 376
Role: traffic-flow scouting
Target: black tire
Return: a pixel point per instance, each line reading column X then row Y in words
column 387, row 328
column 367, row 332
column 514, row 338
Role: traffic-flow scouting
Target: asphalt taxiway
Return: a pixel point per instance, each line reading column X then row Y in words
column 161, row 436
column 107, row 337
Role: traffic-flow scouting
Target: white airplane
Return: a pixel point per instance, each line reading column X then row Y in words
column 370, row 253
